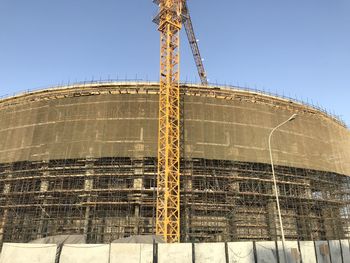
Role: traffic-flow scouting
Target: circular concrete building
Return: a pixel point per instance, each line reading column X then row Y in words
column 81, row 159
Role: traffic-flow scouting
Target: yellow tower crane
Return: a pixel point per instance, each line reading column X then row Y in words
column 172, row 15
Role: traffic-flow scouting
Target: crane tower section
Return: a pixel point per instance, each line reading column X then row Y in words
column 169, row 20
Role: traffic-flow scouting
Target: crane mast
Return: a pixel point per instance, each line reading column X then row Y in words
column 172, row 15
column 169, row 21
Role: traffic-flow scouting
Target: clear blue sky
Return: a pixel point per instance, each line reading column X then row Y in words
column 299, row 48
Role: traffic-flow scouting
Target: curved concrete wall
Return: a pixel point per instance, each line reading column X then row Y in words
column 114, row 119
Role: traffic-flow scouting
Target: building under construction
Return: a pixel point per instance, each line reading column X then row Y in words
column 82, row 159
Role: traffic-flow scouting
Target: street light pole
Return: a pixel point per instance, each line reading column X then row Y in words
column 291, row 118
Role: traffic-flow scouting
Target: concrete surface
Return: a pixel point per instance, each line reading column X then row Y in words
column 335, row 251
column 87, row 253
column 266, row 252
column 28, row 253
column 241, row 252
column 238, row 252
column 307, row 250
column 175, row 253
column 131, row 253
column 292, row 252
column 345, row 249
column 210, row 253
column 322, row 257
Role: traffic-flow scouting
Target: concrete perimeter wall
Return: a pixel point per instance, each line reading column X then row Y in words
column 332, row 251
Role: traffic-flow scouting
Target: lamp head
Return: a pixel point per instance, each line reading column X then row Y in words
column 293, row 117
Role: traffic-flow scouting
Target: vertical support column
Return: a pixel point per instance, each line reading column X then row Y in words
column 233, row 189
column 272, row 219
column 272, row 216
column 168, row 181
column 187, row 201
column 332, row 223
column 231, row 223
column 44, row 186
column 304, row 223
column 303, row 207
column 6, row 191
column 186, row 178
column 88, row 186
column 138, row 166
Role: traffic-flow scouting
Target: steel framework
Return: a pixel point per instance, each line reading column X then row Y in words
column 107, row 195
column 172, row 15
column 105, row 199
column 187, row 22
column 168, row 181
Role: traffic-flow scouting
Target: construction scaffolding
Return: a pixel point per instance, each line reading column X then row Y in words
column 82, row 160
column 110, row 198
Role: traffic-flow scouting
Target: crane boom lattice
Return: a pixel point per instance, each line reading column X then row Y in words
column 187, row 22
column 168, row 181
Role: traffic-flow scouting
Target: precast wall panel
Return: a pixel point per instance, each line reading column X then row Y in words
column 82, row 160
